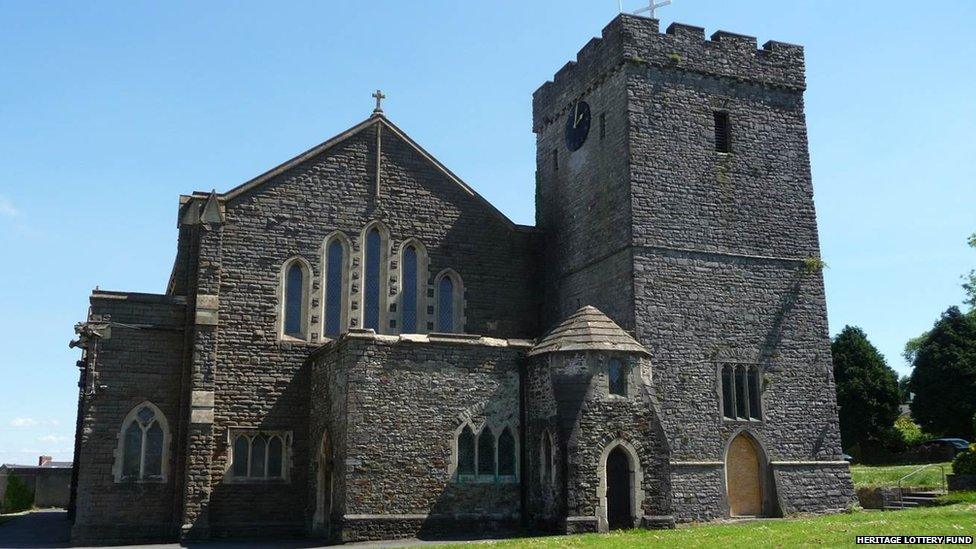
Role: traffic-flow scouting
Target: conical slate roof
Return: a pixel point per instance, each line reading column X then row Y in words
column 588, row 330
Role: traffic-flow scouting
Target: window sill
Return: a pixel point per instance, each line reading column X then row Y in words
column 743, row 420
column 255, row 480
column 486, row 479
column 160, row 480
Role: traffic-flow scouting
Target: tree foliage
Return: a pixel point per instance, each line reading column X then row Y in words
column 944, row 376
column 969, row 280
column 904, row 394
column 867, row 392
column 18, row 496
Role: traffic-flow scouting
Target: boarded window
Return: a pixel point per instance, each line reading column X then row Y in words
column 294, row 300
column 445, row 305
column 371, row 313
column 506, row 453
column 618, row 377
column 486, row 452
column 335, row 265
column 723, row 132
column 466, row 452
column 410, row 290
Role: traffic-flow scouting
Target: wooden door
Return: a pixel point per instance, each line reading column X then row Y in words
column 743, row 473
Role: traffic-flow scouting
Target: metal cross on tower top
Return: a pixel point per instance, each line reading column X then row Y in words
column 651, row 8
column 378, row 95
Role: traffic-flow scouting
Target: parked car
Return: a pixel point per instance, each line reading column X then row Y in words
column 956, row 445
column 847, row 457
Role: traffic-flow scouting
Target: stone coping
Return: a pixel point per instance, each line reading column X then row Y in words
column 433, row 338
column 139, row 297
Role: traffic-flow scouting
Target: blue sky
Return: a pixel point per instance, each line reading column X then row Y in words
column 110, row 110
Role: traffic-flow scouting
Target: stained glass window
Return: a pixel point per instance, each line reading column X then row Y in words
column 409, row 301
column 333, row 289
column 294, row 300
column 153, row 465
column 445, row 305
column 371, row 313
column 466, row 452
column 486, row 452
column 142, row 446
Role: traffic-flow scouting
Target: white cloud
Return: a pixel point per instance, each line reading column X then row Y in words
column 7, row 208
column 53, row 438
column 23, row 422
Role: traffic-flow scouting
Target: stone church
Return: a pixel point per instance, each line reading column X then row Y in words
column 356, row 345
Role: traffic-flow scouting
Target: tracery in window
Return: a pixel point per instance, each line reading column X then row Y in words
column 143, row 442
column 259, row 455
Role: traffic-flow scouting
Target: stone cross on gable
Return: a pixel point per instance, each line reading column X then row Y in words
column 378, row 95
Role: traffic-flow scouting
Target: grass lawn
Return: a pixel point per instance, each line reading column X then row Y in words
column 888, row 475
column 833, row 530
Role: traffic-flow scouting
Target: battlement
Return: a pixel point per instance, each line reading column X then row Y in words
column 638, row 40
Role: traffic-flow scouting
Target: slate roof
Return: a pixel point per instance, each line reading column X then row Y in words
column 588, row 329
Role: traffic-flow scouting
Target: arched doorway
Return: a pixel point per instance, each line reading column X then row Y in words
column 619, row 505
column 744, row 477
column 323, row 485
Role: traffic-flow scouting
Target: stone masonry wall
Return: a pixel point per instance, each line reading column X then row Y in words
column 140, row 361
column 719, row 245
column 405, row 401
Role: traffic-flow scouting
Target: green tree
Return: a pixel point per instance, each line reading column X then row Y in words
column 18, row 496
column 969, row 283
column 867, row 392
column 944, row 376
column 904, row 394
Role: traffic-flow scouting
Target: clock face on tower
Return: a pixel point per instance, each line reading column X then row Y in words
column 577, row 125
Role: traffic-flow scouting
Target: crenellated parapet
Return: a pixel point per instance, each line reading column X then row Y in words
column 638, row 40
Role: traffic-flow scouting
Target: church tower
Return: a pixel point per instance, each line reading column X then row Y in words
column 674, row 190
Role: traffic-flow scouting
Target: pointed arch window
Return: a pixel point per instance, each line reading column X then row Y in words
column 506, row 454
column 617, row 374
column 143, row 446
column 548, row 458
column 371, row 285
column 450, row 303
column 259, row 455
column 466, row 452
column 411, row 290
column 486, row 452
column 741, row 392
column 294, row 306
column 336, row 285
